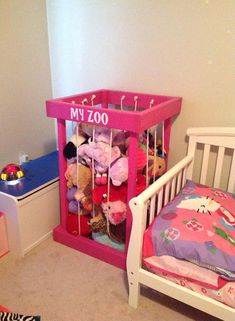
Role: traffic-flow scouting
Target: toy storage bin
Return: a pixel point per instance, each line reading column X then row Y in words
column 31, row 206
column 126, row 111
column 3, row 236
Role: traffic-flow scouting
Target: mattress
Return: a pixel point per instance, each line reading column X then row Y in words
column 224, row 294
column 192, row 242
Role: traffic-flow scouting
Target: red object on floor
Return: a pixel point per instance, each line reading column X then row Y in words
column 3, row 309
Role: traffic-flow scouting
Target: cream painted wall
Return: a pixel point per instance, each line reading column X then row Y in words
column 25, row 81
column 172, row 47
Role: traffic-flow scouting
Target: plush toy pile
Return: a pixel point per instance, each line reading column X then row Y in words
column 94, row 157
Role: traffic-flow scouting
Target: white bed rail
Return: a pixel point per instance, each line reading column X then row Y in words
column 211, row 131
column 149, row 203
column 222, row 140
column 164, row 189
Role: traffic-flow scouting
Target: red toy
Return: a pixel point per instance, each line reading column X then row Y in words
column 73, row 226
column 11, row 172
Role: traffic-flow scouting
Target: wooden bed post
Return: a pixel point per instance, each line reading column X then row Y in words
column 191, row 151
column 134, row 257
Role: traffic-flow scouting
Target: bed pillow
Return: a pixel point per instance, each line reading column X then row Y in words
column 198, row 226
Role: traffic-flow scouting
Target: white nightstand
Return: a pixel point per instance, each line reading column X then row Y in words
column 32, row 207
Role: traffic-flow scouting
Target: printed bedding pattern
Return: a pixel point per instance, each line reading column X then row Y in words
column 225, row 294
column 196, row 227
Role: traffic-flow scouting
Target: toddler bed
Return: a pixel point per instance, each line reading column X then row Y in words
column 183, row 234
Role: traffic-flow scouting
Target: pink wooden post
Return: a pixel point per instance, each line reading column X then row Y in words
column 132, row 176
column 62, row 168
column 167, row 133
column 105, row 103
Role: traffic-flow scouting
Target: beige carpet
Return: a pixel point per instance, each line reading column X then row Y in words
column 62, row 284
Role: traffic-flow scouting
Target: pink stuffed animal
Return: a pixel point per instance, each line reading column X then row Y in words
column 114, row 211
column 114, row 207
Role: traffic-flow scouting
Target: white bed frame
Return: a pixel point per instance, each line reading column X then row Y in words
column 160, row 193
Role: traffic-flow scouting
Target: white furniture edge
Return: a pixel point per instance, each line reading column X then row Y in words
column 147, row 201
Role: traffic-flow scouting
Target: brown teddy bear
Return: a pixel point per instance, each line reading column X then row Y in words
column 80, row 176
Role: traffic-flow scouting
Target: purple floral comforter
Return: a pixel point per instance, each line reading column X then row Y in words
column 197, row 226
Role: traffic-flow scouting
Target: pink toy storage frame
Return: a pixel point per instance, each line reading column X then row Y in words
column 152, row 110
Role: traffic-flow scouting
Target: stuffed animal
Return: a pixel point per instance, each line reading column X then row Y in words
column 113, row 207
column 156, row 164
column 118, row 232
column 121, row 139
column 78, row 138
column 119, row 171
column 73, row 204
column 114, row 211
column 80, row 176
column 119, row 174
column 161, row 152
column 114, row 204
column 152, row 144
column 140, row 183
column 85, row 130
column 156, row 167
column 70, row 149
column 101, row 152
column 98, row 223
column 75, row 222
